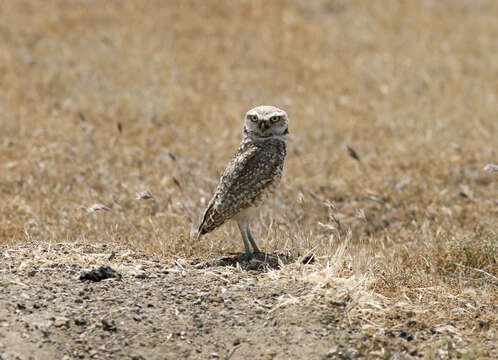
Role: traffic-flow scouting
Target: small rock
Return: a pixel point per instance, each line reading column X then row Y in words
column 45, row 330
column 199, row 325
column 60, row 321
column 406, row 335
column 109, row 326
column 338, row 303
column 484, row 325
column 349, row 354
column 102, row 273
column 80, row 322
column 330, row 354
column 141, row 275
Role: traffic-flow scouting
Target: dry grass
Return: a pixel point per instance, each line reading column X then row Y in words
column 134, row 107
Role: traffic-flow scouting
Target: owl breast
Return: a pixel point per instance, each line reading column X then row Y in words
column 249, row 180
column 264, row 168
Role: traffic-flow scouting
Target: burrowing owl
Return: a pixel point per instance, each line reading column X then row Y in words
column 252, row 175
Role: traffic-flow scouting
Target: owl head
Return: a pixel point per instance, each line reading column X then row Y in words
column 265, row 121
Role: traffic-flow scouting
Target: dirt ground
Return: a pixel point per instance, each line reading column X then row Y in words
column 163, row 310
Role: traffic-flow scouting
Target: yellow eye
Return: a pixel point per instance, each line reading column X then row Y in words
column 253, row 118
column 274, row 119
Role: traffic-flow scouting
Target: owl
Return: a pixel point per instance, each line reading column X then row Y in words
column 252, row 175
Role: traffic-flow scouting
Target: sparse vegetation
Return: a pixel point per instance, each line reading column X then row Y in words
column 117, row 120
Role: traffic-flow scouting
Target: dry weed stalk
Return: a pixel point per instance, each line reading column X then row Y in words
column 98, row 207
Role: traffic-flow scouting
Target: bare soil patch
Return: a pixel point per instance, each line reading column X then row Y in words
column 160, row 309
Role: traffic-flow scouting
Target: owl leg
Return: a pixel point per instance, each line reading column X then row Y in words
column 244, row 229
column 251, row 239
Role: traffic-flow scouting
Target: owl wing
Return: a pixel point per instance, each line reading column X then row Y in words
column 244, row 179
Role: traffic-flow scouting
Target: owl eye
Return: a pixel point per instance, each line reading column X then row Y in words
column 274, row 119
column 253, row 118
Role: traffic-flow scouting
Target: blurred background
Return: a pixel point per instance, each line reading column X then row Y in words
column 100, row 101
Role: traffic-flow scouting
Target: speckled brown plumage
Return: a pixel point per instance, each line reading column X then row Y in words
column 249, row 179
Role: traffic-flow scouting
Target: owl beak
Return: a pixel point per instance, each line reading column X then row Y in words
column 264, row 125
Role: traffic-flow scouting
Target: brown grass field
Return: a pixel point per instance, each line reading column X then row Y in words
column 100, row 101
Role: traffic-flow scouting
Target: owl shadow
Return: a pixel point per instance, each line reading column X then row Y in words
column 261, row 261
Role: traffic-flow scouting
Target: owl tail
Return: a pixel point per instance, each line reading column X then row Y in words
column 202, row 230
